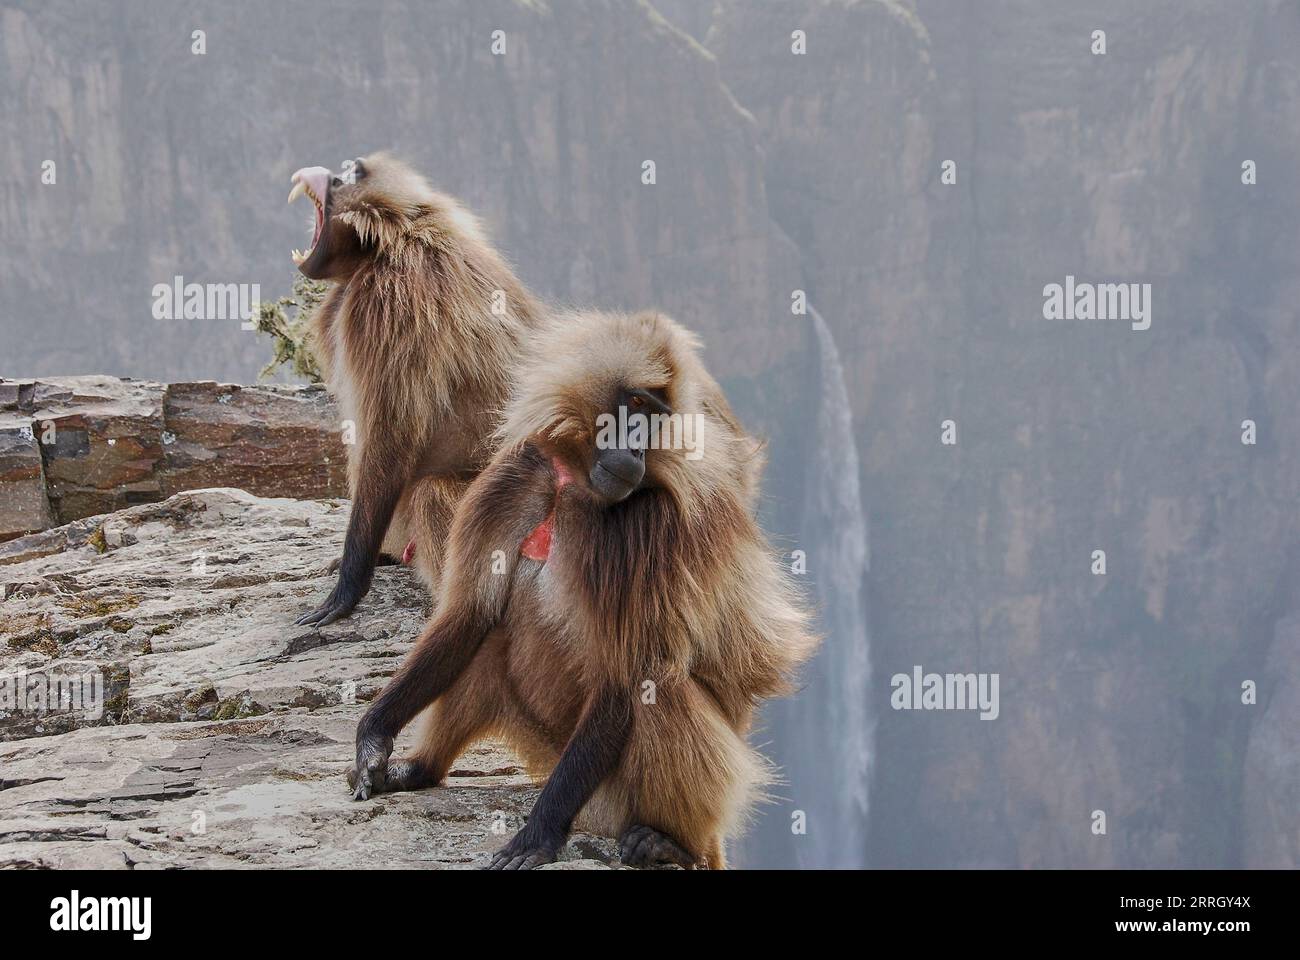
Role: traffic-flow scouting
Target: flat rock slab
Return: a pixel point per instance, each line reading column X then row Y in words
column 260, row 792
column 224, row 732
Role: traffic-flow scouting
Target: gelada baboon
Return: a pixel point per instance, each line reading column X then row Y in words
column 609, row 607
column 416, row 339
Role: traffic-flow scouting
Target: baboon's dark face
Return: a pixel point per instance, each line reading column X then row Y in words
column 618, row 460
column 335, row 250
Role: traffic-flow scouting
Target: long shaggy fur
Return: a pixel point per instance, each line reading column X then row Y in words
column 573, row 358
column 413, row 348
column 672, row 596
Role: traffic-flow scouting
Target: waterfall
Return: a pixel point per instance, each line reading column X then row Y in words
column 838, row 726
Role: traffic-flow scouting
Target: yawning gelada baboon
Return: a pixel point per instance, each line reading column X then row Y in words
column 416, row 339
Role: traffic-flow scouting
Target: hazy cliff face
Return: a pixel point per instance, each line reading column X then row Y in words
column 823, row 172
column 1121, row 692
column 170, row 163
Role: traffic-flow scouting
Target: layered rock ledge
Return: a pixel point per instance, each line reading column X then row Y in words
column 73, row 447
column 225, row 731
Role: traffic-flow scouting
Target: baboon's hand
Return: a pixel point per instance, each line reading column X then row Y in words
column 371, row 770
column 340, row 603
column 643, row 846
column 525, row 851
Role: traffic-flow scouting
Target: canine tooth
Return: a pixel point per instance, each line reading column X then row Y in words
column 298, row 189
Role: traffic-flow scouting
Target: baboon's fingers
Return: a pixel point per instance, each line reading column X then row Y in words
column 627, row 843
column 502, row 860
column 369, row 774
column 361, row 786
column 521, row 853
column 335, row 608
column 644, row 846
column 527, row 861
column 369, row 782
column 337, row 612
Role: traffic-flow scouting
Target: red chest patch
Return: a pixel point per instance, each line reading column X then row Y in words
column 537, row 545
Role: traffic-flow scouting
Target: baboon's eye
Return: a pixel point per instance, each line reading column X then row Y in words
column 638, row 399
column 336, row 182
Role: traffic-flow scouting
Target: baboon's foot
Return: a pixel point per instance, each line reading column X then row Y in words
column 401, row 773
column 643, row 846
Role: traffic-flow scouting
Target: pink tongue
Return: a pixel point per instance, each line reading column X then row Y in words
column 318, row 178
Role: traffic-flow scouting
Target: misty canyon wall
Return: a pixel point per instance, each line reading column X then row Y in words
column 1120, row 692
column 822, row 172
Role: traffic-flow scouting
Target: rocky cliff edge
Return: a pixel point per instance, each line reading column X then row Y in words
column 223, row 731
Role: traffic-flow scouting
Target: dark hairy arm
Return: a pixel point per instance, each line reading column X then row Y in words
column 591, row 755
column 442, row 653
column 384, row 479
column 499, row 508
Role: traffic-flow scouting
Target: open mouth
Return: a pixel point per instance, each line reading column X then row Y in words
column 312, row 182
